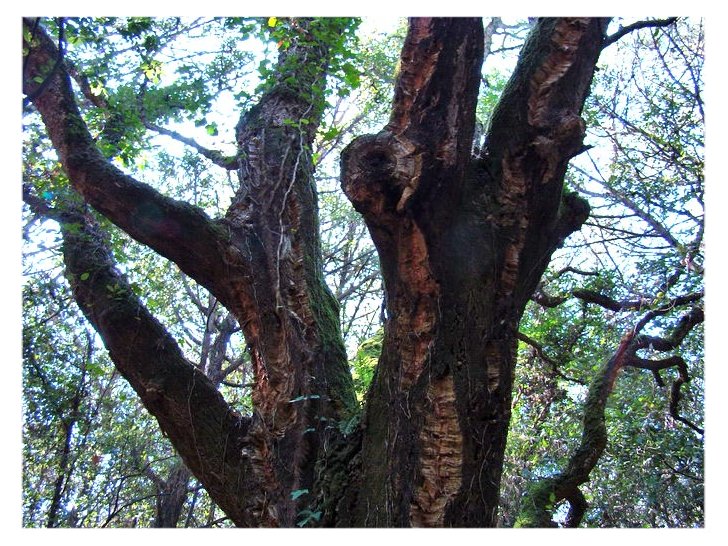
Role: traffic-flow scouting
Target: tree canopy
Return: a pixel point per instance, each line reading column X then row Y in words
column 300, row 272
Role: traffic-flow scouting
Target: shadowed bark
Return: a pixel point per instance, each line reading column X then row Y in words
column 171, row 495
column 262, row 261
column 462, row 242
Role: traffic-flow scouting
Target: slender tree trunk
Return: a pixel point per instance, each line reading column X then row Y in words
column 63, row 475
column 171, row 496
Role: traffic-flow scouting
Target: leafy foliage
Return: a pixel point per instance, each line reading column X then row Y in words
column 93, row 457
column 642, row 248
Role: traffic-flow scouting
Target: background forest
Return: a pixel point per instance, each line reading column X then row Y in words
column 156, row 94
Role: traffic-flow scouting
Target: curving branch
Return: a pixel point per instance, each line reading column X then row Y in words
column 543, row 496
column 211, row 438
column 648, row 23
column 175, row 229
column 686, row 323
column 683, row 327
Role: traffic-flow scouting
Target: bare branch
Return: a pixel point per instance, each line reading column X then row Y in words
column 547, row 300
column 686, row 323
column 648, row 23
column 546, row 358
column 590, row 296
column 228, row 163
column 675, row 397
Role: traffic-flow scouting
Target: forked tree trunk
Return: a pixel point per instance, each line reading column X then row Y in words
column 462, row 243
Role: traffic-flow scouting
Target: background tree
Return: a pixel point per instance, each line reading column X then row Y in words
column 642, row 270
column 462, row 242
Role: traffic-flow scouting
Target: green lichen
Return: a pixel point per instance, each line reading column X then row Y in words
column 338, row 379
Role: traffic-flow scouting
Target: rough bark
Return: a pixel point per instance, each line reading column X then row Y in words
column 262, row 261
column 171, row 496
column 462, row 243
column 190, row 411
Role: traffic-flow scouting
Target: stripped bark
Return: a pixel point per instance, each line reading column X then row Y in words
column 262, row 261
column 462, row 242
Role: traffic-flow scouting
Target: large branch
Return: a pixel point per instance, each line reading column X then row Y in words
column 175, row 229
column 534, row 131
column 208, row 434
column 262, row 262
column 686, row 323
column 426, row 145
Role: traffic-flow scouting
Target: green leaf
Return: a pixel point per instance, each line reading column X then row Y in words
column 351, row 75
column 85, row 276
column 272, row 21
column 331, row 133
column 211, row 129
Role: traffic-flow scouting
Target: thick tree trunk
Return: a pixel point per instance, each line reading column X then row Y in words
column 262, row 261
column 462, row 243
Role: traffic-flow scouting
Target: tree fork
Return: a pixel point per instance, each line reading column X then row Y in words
column 462, row 243
column 262, row 263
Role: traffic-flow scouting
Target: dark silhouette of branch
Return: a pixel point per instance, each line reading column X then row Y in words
column 683, row 327
column 547, row 300
column 686, row 323
column 648, row 23
column 546, row 358
column 228, row 163
column 602, row 300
